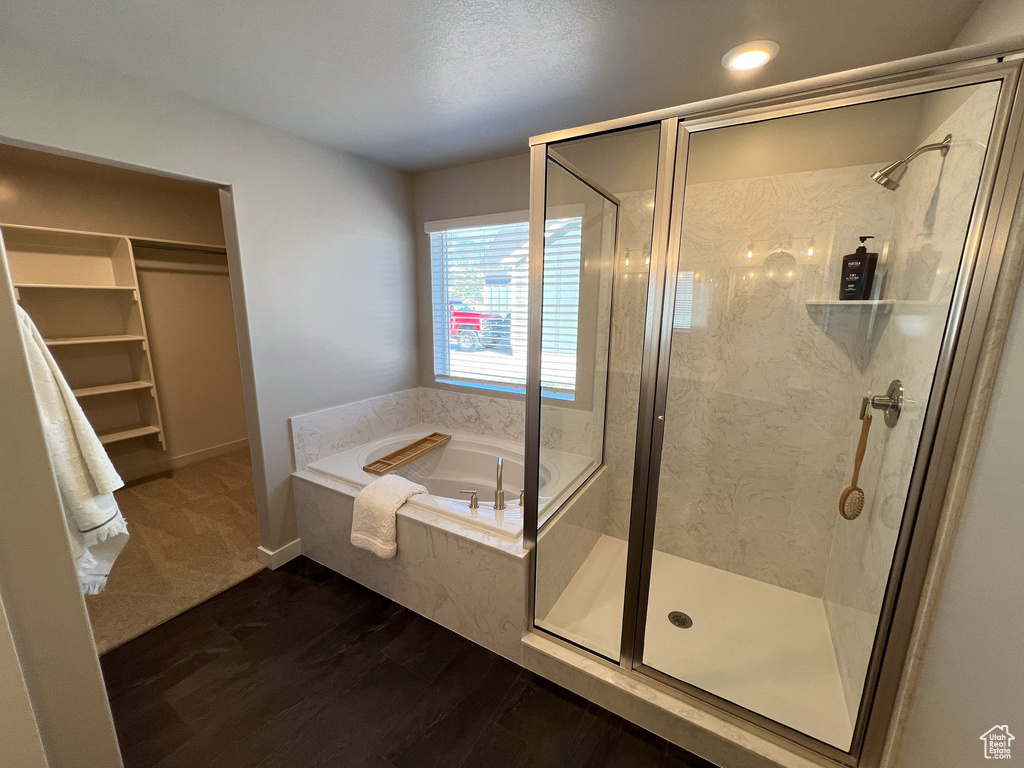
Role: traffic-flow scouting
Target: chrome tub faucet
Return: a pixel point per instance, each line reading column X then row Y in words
column 499, row 494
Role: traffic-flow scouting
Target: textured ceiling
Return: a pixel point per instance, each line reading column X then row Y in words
column 421, row 84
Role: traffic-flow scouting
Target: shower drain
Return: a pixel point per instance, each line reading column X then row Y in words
column 680, row 619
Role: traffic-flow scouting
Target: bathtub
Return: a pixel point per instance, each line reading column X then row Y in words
column 466, row 462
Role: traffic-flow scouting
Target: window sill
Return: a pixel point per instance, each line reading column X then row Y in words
column 509, row 391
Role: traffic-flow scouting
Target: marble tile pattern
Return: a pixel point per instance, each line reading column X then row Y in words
column 572, row 430
column 604, row 507
column 477, row 591
column 762, row 405
column 567, row 540
column 626, row 353
column 476, row 535
column 333, row 430
column 478, row 414
column 324, row 433
column 933, row 208
column 577, row 427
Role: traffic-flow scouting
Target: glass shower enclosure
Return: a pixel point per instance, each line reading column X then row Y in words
column 760, row 392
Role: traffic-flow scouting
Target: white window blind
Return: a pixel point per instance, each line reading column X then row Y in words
column 682, row 319
column 561, row 307
column 479, row 277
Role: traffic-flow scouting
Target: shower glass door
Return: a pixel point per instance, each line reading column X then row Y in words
column 761, row 591
column 593, row 306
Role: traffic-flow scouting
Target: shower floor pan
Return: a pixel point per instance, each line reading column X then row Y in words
column 758, row 645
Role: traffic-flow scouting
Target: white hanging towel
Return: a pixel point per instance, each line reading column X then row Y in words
column 373, row 514
column 85, row 477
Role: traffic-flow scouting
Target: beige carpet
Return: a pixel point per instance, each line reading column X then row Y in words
column 194, row 533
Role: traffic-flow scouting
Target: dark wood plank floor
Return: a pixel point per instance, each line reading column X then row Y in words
column 302, row 667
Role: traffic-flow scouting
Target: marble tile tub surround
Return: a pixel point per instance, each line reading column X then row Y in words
column 464, row 584
column 933, row 208
column 333, row 430
column 479, row 414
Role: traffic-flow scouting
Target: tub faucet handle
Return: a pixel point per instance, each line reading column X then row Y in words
column 474, row 501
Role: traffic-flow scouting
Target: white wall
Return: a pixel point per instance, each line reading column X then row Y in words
column 19, row 735
column 39, row 590
column 993, row 20
column 971, row 676
column 190, row 323
column 324, row 238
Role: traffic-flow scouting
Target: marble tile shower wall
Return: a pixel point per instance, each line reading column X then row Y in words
column 629, row 309
column 604, row 505
column 568, row 540
column 758, row 394
column 933, row 208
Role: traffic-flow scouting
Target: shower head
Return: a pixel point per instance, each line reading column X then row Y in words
column 890, row 176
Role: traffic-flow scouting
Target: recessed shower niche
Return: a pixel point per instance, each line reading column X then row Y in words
column 734, row 380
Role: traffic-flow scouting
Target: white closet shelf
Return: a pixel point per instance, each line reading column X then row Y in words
column 91, row 340
column 83, row 289
column 127, row 434
column 72, row 287
column 107, row 389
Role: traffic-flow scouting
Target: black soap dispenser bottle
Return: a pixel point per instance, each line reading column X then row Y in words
column 858, row 273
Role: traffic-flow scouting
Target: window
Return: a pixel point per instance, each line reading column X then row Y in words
column 479, row 275
column 682, row 319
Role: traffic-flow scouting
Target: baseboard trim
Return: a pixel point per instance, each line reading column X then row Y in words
column 177, row 462
column 274, row 559
column 209, row 453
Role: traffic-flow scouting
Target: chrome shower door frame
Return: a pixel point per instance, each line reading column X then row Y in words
column 981, row 262
column 539, row 157
column 933, row 458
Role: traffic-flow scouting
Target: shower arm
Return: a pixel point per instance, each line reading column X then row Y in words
column 941, row 146
column 891, row 175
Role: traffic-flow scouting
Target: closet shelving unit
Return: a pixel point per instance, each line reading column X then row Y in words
column 82, row 291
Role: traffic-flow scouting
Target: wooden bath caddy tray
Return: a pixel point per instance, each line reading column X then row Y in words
column 408, row 454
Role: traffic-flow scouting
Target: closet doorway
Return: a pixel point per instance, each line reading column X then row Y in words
column 125, row 275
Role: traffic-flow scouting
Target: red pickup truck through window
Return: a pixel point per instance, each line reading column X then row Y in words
column 471, row 330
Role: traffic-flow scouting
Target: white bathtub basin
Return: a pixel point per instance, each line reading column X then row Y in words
column 466, row 462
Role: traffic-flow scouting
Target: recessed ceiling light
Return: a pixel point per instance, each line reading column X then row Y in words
column 751, row 55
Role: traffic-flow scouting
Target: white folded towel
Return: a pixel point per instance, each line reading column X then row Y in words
column 85, row 476
column 373, row 515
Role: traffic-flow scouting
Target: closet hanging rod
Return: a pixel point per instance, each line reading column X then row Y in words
column 157, row 245
column 181, row 266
